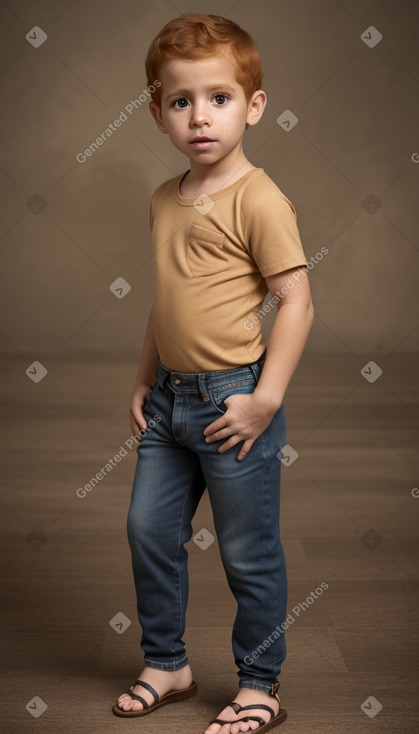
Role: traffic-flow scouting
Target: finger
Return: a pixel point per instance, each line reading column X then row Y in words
column 218, row 435
column 140, row 419
column 245, row 449
column 232, row 441
column 215, row 426
column 134, row 422
column 135, row 425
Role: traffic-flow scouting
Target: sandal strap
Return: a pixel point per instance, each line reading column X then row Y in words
column 148, row 688
column 259, row 706
column 137, row 698
column 275, row 695
column 259, row 719
column 237, row 708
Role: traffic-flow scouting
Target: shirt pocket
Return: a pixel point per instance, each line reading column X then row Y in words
column 205, row 253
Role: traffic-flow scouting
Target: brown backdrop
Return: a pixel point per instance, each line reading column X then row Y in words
column 70, row 228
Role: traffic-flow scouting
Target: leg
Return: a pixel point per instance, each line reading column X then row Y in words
column 167, row 487
column 159, row 524
column 245, row 497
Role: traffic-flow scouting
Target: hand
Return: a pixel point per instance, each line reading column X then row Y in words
column 138, row 401
column 247, row 416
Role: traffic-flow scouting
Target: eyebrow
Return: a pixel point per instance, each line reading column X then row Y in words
column 212, row 88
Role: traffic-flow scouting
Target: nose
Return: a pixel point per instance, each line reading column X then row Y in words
column 200, row 114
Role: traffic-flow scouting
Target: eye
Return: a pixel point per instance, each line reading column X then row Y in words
column 180, row 103
column 220, row 99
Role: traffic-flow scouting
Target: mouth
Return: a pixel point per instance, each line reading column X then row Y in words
column 202, row 142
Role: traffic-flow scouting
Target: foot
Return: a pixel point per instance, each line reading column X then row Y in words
column 162, row 681
column 245, row 697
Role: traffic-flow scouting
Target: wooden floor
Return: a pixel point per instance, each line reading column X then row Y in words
column 349, row 519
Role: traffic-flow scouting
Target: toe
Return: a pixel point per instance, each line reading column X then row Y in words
column 135, row 705
column 213, row 729
column 218, row 728
column 126, row 703
column 243, row 726
column 224, row 729
column 240, row 727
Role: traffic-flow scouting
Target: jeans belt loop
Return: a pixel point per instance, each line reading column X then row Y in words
column 256, row 369
column 162, row 375
column 201, row 384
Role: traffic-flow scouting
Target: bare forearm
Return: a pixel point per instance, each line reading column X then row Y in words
column 146, row 373
column 286, row 344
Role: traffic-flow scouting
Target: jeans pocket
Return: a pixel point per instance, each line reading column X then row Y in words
column 219, row 394
column 280, row 423
column 150, row 398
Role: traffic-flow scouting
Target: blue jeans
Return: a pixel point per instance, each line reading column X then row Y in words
column 174, row 466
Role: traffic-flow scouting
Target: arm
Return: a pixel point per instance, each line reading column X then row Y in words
column 146, row 374
column 247, row 416
column 288, row 336
column 145, row 378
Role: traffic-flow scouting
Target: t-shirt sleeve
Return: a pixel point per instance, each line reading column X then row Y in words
column 271, row 233
column 154, row 201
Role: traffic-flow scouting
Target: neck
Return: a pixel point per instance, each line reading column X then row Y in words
column 220, row 174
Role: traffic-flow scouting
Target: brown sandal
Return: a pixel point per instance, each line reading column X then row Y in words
column 264, row 726
column 171, row 697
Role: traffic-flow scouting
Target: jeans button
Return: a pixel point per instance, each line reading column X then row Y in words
column 205, row 398
column 177, row 382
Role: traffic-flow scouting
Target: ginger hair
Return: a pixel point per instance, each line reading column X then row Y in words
column 194, row 36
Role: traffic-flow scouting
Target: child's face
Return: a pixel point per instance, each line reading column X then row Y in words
column 202, row 99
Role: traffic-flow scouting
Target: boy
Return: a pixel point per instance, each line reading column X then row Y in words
column 208, row 392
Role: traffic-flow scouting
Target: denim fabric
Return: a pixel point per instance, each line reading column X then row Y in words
column 174, row 466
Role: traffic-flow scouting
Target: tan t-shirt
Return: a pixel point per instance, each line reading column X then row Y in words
column 210, row 261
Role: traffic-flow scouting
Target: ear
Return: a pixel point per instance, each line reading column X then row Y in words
column 256, row 107
column 156, row 112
